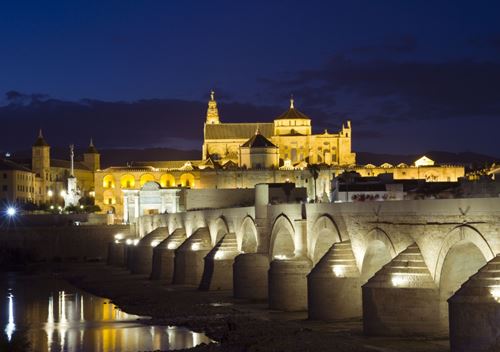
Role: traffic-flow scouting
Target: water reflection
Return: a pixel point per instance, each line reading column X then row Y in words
column 57, row 317
column 11, row 326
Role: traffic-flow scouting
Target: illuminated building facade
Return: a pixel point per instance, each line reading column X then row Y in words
column 42, row 179
column 291, row 133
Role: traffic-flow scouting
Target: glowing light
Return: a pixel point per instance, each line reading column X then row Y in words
column 50, row 193
column 136, row 242
column 49, row 326
column 62, row 193
column 11, row 326
column 119, row 236
column 195, row 246
column 338, row 270
column 81, row 206
column 11, row 211
column 399, row 280
column 63, row 321
column 280, row 257
column 82, row 316
column 129, row 241
column 171, row 245
column 155, row 243
column 219, row 255
column 51, row 207
column 495, row 292
column 117, row 241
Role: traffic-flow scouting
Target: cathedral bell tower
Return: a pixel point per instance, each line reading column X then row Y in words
column 212, row 111
column 40, row 164
column 92, row 158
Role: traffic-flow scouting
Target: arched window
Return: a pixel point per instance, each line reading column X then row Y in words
column 187, row 180
column 146, row 178
column 108, row 181
column 127, row 181
column 167, row 180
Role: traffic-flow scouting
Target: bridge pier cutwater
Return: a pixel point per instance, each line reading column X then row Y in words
column 401, row 266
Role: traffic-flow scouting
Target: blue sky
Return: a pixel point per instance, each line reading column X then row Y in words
column 411, row 75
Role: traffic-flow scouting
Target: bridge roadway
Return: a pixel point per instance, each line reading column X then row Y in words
column 420, row 267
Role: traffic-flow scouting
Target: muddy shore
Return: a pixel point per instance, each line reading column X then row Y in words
column 236, row 325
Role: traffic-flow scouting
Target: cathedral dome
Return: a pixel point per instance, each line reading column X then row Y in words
column 292, row 113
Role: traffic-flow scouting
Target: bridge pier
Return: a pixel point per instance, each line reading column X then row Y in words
column 143, row 252
column 116, row 253
column 402, row 299
column 250, row 276
column 288, row 284
column 189, row 263
column 218, row 270
column 164, row 256
column 334, row 285
column 475, row 312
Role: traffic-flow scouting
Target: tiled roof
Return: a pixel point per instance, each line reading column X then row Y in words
column 10, row 165
column 238, row 130
column 292, row 113
column 173, row 164
column 40, row 142
column 66, row 164
column 258, row 141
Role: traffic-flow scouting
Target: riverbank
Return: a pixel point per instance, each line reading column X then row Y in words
column 238, row 325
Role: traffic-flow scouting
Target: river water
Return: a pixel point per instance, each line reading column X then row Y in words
column 55, row 316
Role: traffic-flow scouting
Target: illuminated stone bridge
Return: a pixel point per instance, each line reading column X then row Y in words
column 425, row 267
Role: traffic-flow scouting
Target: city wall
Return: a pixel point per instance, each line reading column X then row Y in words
column 47, row 243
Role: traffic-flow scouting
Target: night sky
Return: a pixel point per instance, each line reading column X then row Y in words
column 412, row 76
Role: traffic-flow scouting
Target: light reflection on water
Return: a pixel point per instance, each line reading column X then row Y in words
column 58, row 317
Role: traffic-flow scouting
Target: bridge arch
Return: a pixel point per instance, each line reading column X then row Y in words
column 282, row 238
column 379, row 250
column 325, row 233
column 457, row 235
column 247, row 239
column 463, row 252
column 218, row 229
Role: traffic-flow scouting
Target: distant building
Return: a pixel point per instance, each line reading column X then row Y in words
column 291, row 134
column 234, row 156
column 241, row 155
column 41, row 179
column 17, row 183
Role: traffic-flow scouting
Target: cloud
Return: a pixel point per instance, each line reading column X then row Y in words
column 144, row 123
column 400, row 90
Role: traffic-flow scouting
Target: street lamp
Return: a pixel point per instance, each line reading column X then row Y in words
column 11, row 212
column 50, row 193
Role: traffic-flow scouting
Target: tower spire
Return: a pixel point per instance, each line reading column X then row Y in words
column 212, row 111
column 72, row 160
column 291, row 102
column 40, row 134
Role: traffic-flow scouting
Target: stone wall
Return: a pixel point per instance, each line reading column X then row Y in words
column 46, row 243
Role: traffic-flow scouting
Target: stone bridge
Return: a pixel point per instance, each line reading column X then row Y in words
column 424, row 267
